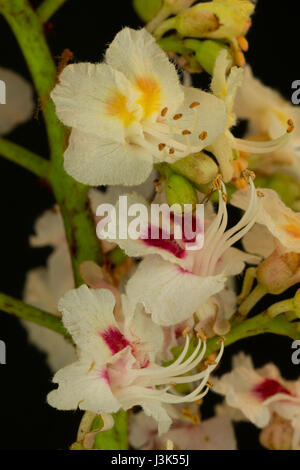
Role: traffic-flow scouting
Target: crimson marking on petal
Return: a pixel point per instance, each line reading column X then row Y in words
column 104, row 375
column 164, row 243
column 114, row 339
column 268, row 388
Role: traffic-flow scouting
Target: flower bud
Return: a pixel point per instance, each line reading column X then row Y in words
column 198, row 168
column 219, row 19
column 147, row 9
column 180, row 191
column 207, row 52
column 278, row 434
column 286, row 186
column 176, row 6
column 279, row 271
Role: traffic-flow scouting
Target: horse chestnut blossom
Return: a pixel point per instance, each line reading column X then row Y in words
column 116, row 368
column 259, row 393
column 130, row 112
column 182, row 279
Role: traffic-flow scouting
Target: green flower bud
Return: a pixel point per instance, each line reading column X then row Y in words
column 180, row 191
column 116, row 256
column 207, row 52
column 198, row 168
column 147, row 9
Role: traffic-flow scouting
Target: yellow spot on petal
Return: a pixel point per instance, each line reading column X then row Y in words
column 292, row 229
column 116, row 106
column 150, row 99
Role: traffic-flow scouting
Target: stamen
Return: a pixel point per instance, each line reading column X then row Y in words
column 186, row 132
column 171, row 151
column 203, row 135
column 185, row 331
column 209, row 383
column 243, row 43
column 161, row 147
column 291, row 126
column 194, row 104
column 177, row 116
column 164, row 111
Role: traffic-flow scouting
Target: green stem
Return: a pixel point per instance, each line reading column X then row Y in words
column 71, row 196
column 258, row 325
column 27, row 312
column 48, row 8
column 25, row 158
column 253, row 298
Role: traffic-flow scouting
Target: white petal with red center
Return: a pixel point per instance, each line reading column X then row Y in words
column 168, row 292
column 88, row 316
column 85, row 385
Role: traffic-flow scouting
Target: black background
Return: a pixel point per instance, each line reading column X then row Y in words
column 87, row 27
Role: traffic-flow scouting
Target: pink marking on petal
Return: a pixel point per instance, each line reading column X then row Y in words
column 183, row 271
column 104, row 375
column 114, row 339
column 268, row 388
column 165, row 241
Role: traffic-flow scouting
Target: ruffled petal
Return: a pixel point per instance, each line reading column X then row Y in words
column 168, row 292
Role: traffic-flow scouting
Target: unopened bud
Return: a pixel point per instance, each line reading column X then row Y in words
column 286, row 186
column 279, row 271
column 147, row 9
column 278, row 434
column 176, row 6
column 198, row 168
column 219, row 19
column 180, row 191
column 207, row 52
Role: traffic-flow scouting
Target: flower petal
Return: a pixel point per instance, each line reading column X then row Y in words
column 96, row 162
column 142, row 61
column 168, row 292
column 84, row 385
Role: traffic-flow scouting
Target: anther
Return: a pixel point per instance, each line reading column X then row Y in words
column 209, row 383
column 260, row 194
column 177, row 116
column 171, row 151
column 291, row 126
column 201, row 336
column 194, row 104
column 203, row 135
column 221, row 339
column 243, row 43
column 185, row 331
column 161, row 147
column 164, row 112
column 186, row 132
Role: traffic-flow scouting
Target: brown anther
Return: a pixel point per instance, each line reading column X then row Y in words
column 243, row 43
column 203, row 135
column 177, row 116
column 186, row 132
column 194, row 104
column 291, row 126
column 186, row 331
column 260, row 194
column 171, row 151
column 248, row 174
column 209, row 362
column 224, row 197
column 209, row 383
column 217, row 182
column 201, row 336
column 173, row 384
column 161, row 147
column 164, row 111
column 221, row 339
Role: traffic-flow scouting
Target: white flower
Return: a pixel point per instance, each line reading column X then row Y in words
column 226, row 88
column 281, row 222
column 116, row 367
column 19, row 104
column 173, row 282
column 258, row 393
column 268, row 113
column 131, row 111
column 187, row 432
